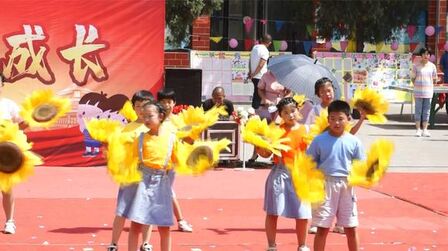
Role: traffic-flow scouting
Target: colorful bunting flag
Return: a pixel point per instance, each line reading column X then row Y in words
column 277, row 44
column 307, row 46
column 279, row 25
column 216, row 39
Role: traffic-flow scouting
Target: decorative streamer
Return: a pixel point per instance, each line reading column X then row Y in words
column 307, row 46
column 216, row 39
column 279, row 25
column 411, row 29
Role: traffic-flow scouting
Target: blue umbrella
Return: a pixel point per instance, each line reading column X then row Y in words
column 299, row 73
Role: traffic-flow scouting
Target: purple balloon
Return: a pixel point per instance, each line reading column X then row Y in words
column 429, row 31
column 432, row 58
column 283, row 45
column 233, row 43
column 394, row 45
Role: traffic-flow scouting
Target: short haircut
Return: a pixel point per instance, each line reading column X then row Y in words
column 142, row 95
column 166, row 93
column 424, row 50
column 284, row 102
column 339, row 106
column 218, row 89
column 266, row 38
column 321, row 82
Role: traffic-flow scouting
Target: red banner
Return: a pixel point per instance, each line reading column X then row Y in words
column 95, row 52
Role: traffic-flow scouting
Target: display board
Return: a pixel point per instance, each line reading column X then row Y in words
column 375, row 70
column 228, row 69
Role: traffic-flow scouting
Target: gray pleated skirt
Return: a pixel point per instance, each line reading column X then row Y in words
column 280, row 198
column 148, row 202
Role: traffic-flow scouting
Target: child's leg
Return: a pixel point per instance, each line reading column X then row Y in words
column 117, row 228
column 352, row 238
column 147, row 231
column 176, row 209
column 165, row 238
column 134, row 232
column 320, row 238
column 301, row 232
column 271, row 229
column 8, row 205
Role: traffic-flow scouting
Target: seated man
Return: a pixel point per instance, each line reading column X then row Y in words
column 218, row 99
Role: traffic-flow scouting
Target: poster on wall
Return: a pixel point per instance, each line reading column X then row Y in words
column 374, row 70
column 228, row 69
column 95, row 53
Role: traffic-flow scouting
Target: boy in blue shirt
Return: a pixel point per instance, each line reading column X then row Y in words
column 334, row 150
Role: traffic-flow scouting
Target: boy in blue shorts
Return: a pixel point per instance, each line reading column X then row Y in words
column 334, row 150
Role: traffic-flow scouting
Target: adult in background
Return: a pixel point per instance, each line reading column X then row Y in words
column 270, row 92
column 258, row 66
column 424, row 77
column 218, row 99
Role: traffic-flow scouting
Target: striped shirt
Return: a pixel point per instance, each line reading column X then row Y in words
column 425, row 75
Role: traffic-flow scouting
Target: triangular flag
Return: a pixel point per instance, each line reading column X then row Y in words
column 379, row 47
column 343, row 45
column 263, row 21
column 216, row 39
column 248, row 25
column 279, row 25
column 411, row 29
column 248, row 43
column 277, row 44
column 412, row 47
column 441, row 46
column 307, row 46
column 438, row 29
column 309, row 29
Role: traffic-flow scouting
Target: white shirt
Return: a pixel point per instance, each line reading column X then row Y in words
column 9, row 110
column 258, row 52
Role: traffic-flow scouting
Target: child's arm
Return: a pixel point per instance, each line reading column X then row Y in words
column 358, row 124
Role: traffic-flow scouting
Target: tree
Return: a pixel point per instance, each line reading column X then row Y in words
column 370, row 21
column 180, row 15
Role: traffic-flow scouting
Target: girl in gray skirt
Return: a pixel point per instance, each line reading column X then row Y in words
column 280, row 197
column 149, row 202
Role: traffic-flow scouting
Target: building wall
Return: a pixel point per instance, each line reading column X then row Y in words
column 437, row 46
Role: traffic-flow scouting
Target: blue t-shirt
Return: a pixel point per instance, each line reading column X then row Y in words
column 334, row 155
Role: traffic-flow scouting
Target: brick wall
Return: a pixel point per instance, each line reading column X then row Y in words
column 201, row 33
column 177, row 59
column 432, row 17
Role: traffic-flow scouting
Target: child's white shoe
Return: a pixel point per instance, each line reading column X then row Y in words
column 426, row 133
column 303, row 248
column 10, row 227
column 312, row 230
column 184, row 226
column 418, row 133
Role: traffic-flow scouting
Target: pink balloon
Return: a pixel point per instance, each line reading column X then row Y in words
column 284, row 45
column 233, row 43
column 328, row 45
column 432, row 58
column 394, row 45
column 445, row 46
column 429, row 31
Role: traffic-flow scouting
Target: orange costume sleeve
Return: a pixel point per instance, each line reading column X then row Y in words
column 296, row 143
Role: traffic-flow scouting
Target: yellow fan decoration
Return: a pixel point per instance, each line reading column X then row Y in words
column 192, row 121
column 368, row 173
column 308, row 181
column 102, row 129
column 373, row 103
column 122, row 158
column 199, row 157
column 300, row 99
column 258, row 133
column 128, row 111
column 16, row 160
column 42, row 108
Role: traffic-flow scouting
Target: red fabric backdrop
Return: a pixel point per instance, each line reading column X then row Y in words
column 77, row 47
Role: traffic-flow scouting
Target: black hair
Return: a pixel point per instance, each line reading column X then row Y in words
column 321, row 82
column 284, row 102
column 339, row 106
column 424, row 50
column 166, row 93
column 159, row 108
column 266, row 38
column 2, row 79
column 142, row 95
column 218, row 88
